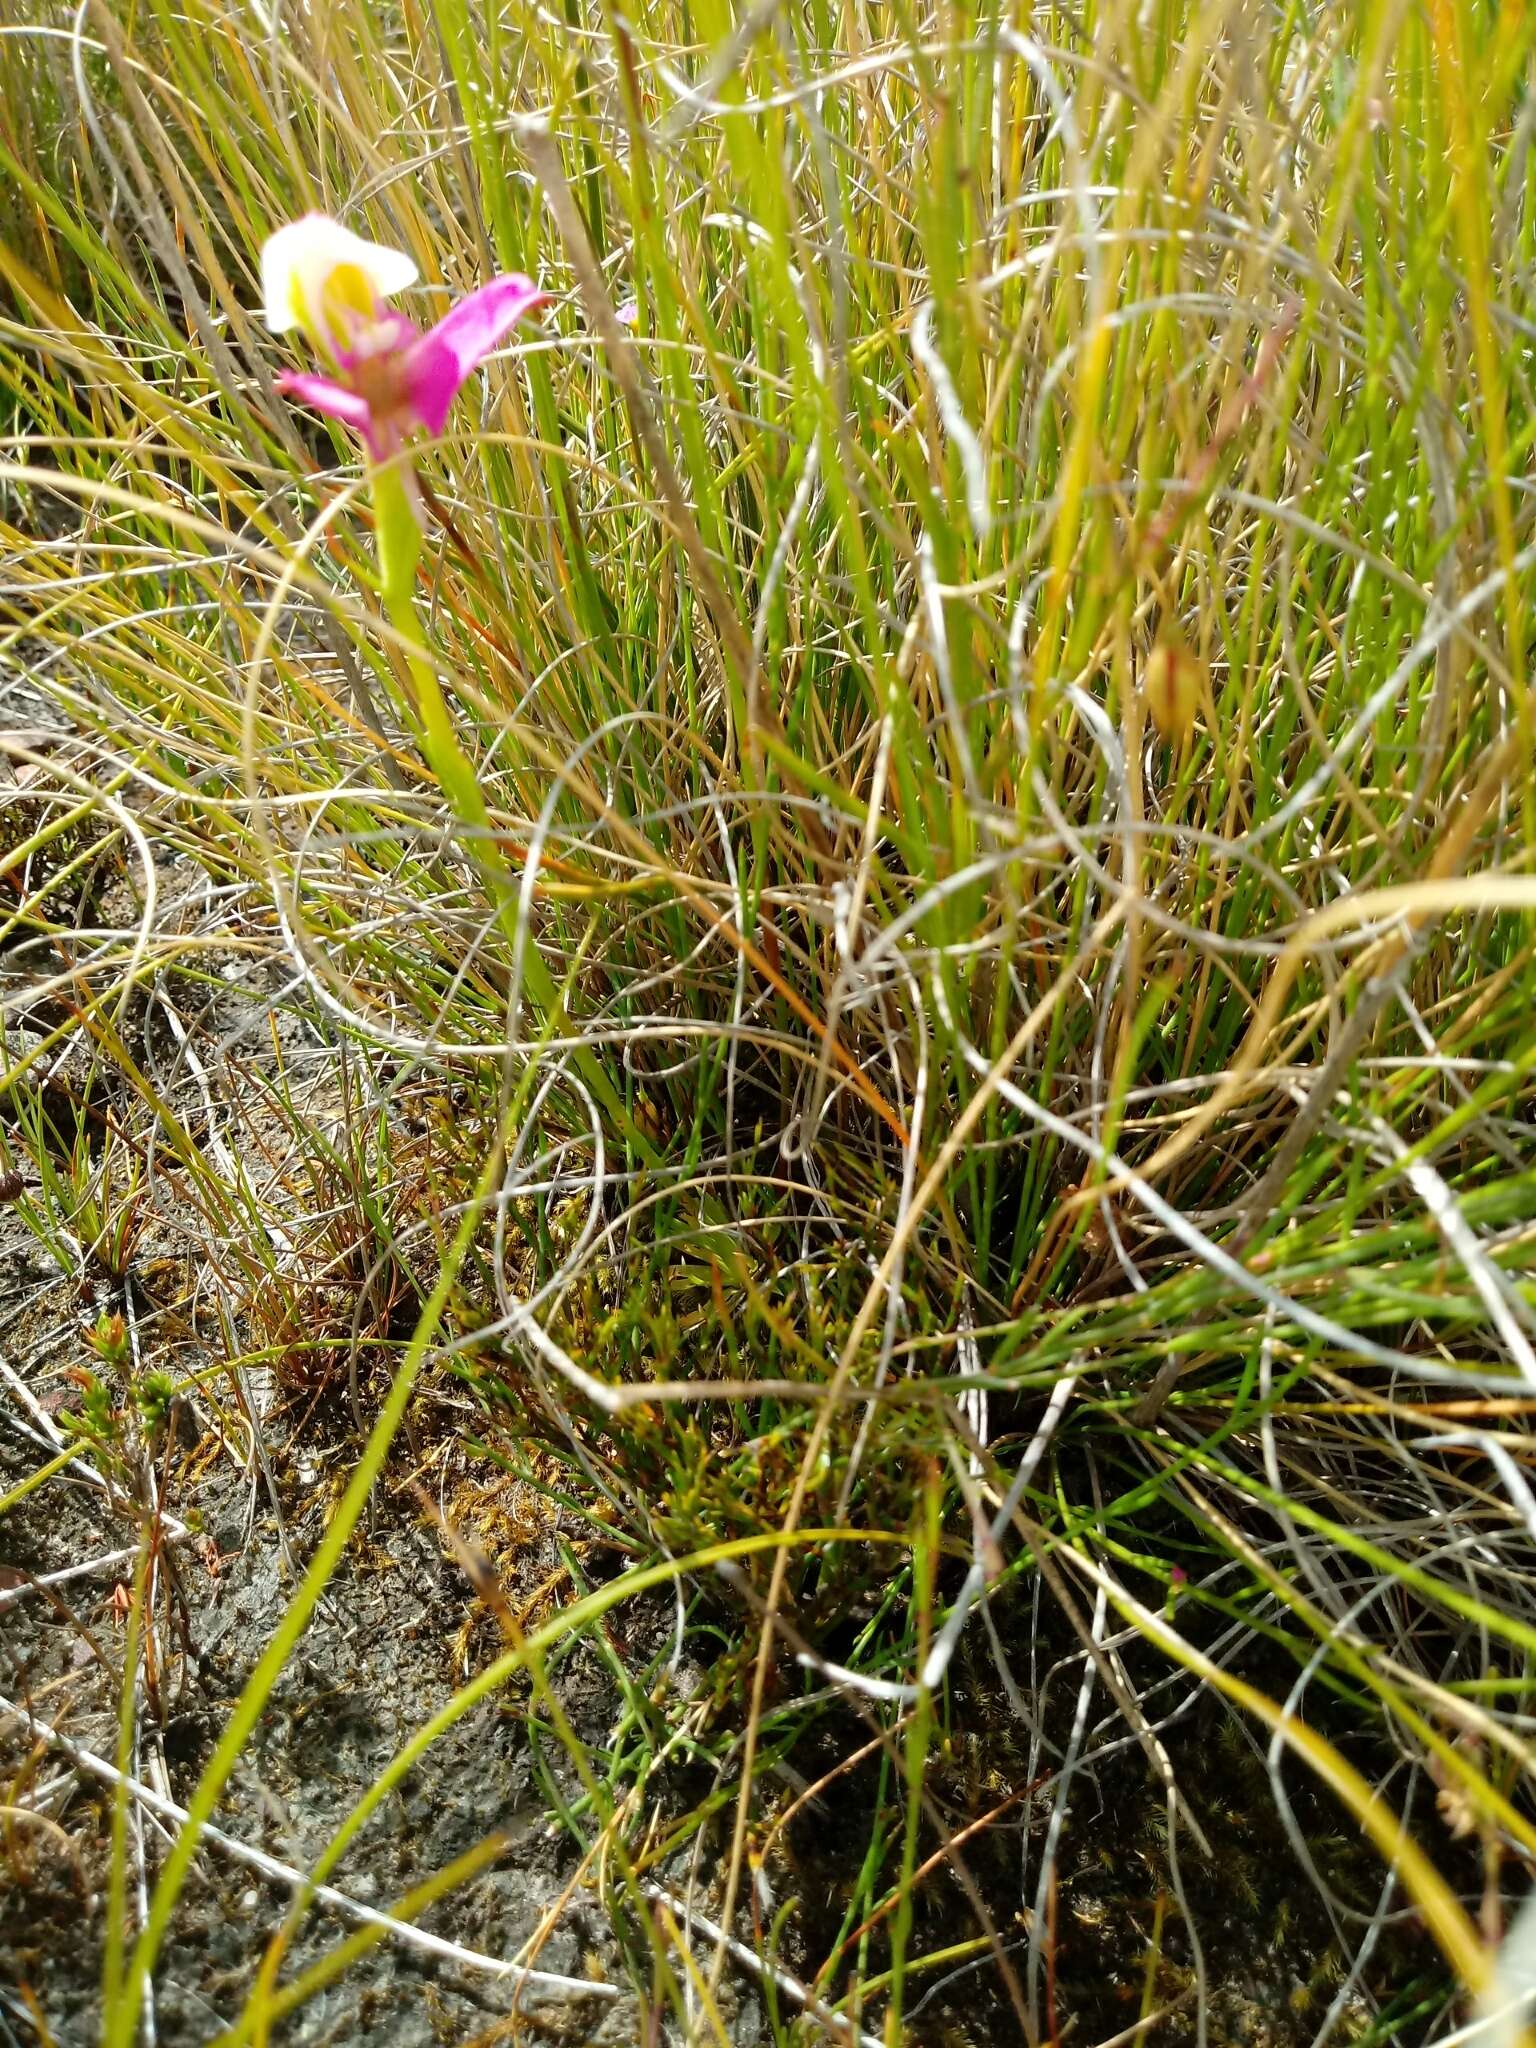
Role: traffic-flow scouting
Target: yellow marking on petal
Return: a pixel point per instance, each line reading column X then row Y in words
column 331, row 314
column 347, row 293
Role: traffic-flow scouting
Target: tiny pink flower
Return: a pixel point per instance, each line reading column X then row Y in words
column 387, row 378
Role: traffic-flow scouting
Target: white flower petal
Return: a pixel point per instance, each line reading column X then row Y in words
column 299, row 260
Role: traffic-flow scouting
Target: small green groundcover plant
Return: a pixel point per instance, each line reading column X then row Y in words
column 901, row 848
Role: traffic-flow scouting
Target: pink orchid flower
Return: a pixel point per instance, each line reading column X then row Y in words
column 388, row 377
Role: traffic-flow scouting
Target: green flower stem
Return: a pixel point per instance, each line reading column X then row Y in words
column 399, row 545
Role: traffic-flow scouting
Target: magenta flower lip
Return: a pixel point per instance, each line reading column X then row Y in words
column 391, row 378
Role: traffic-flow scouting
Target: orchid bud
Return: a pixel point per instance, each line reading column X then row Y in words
column 1173, row 684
